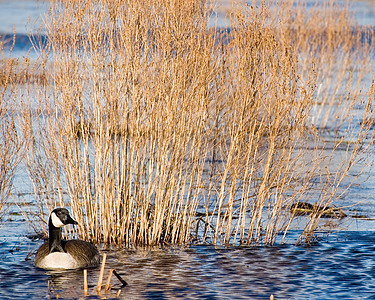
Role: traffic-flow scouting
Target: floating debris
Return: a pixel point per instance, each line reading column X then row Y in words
column 363, row 217
column 304, row 208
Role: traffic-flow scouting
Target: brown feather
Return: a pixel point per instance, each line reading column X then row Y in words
column 42, row 252
column 83, row 252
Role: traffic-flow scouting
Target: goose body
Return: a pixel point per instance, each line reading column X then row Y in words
column 60, row 254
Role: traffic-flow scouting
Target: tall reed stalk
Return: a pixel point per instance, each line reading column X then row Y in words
column 157, row 128
column 12, row 72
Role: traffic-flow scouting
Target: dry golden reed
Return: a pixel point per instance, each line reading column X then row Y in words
column 157, row 127
column 11, row 144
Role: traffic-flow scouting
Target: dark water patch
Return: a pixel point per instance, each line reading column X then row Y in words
column 21, row 43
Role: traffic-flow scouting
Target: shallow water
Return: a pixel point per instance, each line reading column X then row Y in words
column 341, row 266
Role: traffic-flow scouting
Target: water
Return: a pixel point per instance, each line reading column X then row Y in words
column 340, row 266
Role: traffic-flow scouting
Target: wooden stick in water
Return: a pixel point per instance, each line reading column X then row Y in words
column 124, row 283
column 100, row 280
column 85, row 284
column 107, row 287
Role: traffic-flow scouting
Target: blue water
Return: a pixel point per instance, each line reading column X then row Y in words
column 339, row 266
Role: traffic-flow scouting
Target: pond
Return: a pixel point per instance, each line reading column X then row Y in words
column 339, row 266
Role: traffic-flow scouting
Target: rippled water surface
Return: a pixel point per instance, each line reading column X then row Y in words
column 341, row 266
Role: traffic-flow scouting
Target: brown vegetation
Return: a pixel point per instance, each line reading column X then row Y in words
column 162, row 129
column 11, row 144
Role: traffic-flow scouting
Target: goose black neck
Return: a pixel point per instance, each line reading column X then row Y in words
column 55, row 237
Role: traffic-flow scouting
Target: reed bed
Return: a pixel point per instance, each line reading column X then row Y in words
column 11, row 144
column 156, row 127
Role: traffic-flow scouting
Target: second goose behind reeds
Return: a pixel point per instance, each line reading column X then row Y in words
column 57, row 253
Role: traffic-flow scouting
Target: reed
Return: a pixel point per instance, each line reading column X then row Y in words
column 85, row 283
column 100, row 280
column 108, row 286
column 11, row 143
column 155, row 123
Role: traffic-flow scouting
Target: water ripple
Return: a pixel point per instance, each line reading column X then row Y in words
column 343, row 267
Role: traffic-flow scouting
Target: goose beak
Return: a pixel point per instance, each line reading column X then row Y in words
column 69, row 220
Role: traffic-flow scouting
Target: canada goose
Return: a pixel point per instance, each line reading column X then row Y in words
column 60, row 254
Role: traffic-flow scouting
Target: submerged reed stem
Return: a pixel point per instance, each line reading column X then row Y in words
column 101, row 274
column 85, row 283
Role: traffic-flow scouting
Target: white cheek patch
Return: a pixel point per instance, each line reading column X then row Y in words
column 56, row 221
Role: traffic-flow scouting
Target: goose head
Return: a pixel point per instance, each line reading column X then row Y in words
column 60, row 217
